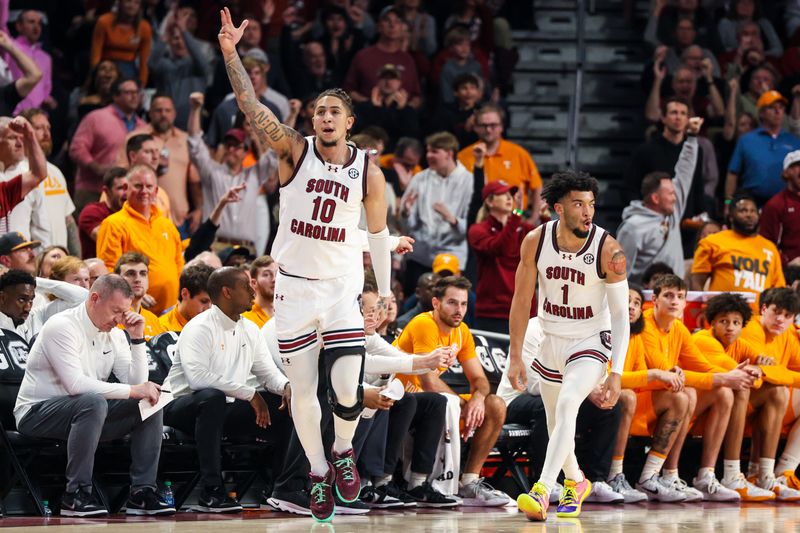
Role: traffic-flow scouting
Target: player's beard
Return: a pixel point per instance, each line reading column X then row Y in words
column 580, row 233
column 328, row 144
column 450, row 321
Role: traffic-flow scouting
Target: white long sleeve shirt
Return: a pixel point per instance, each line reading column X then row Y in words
column 215, row 352
column 71, row 357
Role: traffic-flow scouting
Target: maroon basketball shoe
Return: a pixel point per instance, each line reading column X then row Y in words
column 323, row 505
column 348, row 482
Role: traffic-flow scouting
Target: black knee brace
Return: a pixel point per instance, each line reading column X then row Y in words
column 352, row 412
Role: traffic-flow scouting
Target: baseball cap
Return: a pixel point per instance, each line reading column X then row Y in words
column 236, row 134
column 230, row 251
column 389, row 9
column 769, row 98
column 498, row 187
column 258, row 54
column 791, row 158
column 13, row 241
column 446, row 262
column 389, row 71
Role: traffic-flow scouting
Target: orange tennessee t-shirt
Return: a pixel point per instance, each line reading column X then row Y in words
column 784, row 348
column 666, row 349
column 634, row 375
column 739, row 263
column 422, row 335
column 511, row 163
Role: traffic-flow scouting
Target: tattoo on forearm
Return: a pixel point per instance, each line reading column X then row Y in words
column 618, row 263
column 663, row 435
column 265, row 124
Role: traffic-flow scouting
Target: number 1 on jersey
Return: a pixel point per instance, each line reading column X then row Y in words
column 565, row 292
column 326, row 213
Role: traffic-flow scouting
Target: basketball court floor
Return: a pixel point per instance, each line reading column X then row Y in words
column 649, row 518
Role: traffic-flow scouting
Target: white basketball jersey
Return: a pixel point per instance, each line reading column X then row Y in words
column 320, row 207
column 572, row 286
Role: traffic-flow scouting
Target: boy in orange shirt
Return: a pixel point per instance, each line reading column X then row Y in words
column 773, row 335
column 664, row 408
column 728, row 313
column 668, row 343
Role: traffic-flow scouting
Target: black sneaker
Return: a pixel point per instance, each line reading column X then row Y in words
column 396, row 492
column 378, row 497
column 214, row 500
column 354, row 507
column 82, row 503
column 426, row 496
column 147, row 502
column 296, row 502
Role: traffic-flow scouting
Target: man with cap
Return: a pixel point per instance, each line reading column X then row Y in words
column 496, row 241
column 256, row 63
column 235, row 256
column 756, row 162
column 240, row 222
column 388, row 106
column 780, row 217
column 18, row 252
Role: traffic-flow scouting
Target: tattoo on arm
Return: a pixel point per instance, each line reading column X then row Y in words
column 663, row 435
column 265, row 124
column 618, row 263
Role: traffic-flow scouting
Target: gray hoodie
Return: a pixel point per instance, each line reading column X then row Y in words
column 647, row 236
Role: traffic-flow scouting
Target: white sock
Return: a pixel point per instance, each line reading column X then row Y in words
column 752, row 469
column 380, row 481
column 766, row 468
column 652, row 465
column 319, row 465
column 416, row 480
column 616, row 467
column 466, row 479
column 731, row 469
column 787, row 462
column 668, row 473
column 705, row 471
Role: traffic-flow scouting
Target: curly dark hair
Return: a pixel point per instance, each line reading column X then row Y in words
column 728, row 303
column 564, row 182
column 637, row 326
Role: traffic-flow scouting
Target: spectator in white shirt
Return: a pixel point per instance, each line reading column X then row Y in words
column 65, row 395
column 216, row 353
column 62, row 229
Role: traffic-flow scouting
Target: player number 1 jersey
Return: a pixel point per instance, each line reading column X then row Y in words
column 572, row 286
column 320, row 207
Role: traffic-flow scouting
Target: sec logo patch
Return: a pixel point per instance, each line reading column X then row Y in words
column 353, row 173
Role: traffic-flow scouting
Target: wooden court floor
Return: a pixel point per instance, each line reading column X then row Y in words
column 648, row 518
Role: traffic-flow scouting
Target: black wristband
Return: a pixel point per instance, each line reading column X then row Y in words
column 137, row 341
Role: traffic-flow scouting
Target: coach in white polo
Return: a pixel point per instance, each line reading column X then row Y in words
column 65, row 395
column 217, row 352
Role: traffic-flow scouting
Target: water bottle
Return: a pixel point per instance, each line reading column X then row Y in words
column 169, row 497
column 47, row 512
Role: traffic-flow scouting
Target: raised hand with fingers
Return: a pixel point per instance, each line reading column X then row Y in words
column 229, row 35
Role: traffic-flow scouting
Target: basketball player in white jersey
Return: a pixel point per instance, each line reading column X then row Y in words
column 583, row 311
column 324, row 181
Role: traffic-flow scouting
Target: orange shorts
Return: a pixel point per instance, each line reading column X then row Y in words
column 644, row 419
